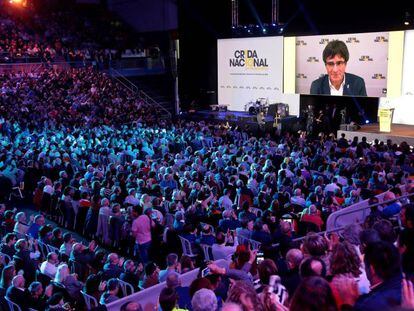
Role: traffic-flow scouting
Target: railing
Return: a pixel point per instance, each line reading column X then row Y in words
column 148, row 298
column 118, row 76
column 123, row 80
column 356, row 212
column 149, row 100
column 340, row 228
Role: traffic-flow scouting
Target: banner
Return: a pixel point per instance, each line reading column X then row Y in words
column 249, row 69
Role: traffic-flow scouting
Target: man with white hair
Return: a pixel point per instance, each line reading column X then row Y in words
column 204, row 300
column 18, row 293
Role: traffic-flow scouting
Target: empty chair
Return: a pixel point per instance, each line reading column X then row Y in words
column 207, row 250
column 126, row 288
column 90, row 301
column 12, row 306
column 186, row 245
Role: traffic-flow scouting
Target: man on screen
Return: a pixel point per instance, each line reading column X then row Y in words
column 337, row 81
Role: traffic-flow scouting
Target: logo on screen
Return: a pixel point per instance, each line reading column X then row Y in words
column 352, row 40
column 312, row 59
column 301, row 76
column 301, row 43
column 324, row 41
column 381, row 39
column 248, row 59
column 366, row 58
column 378, row 76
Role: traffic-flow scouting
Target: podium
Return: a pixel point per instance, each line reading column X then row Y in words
column 385, row 119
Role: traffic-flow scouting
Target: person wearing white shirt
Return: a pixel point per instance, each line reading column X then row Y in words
column 49, row 266
column 225, row 201
column 297, row 198
column 332, row 186
column 220, row 250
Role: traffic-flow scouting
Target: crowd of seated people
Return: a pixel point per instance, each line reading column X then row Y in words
column 62, row 33
column 96, row 160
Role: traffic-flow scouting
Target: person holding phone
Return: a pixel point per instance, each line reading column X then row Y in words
column 337, row 82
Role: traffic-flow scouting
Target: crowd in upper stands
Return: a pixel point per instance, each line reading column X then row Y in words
column 158, row 198
column 39, row 33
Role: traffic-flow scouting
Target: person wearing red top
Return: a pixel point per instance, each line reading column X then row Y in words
column 313, row 217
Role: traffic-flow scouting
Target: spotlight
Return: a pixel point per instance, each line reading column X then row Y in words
column 274, row 25
column 264, row 30
column 257, row 26
column 366, row 121
column 281, row 30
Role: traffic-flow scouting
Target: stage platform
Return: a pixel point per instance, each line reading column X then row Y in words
column 289, row 123
column 398, row 134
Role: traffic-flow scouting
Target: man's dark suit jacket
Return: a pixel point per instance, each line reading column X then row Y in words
column 354, row 86
column 22, row 298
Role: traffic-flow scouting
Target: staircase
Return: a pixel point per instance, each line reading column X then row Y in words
column 159, row 88
column 162, row 103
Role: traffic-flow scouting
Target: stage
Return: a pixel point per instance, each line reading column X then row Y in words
column 241, row 118
column 398, row 134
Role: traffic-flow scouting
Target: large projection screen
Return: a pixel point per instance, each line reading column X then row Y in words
column 368, row 58
column 249, row 69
